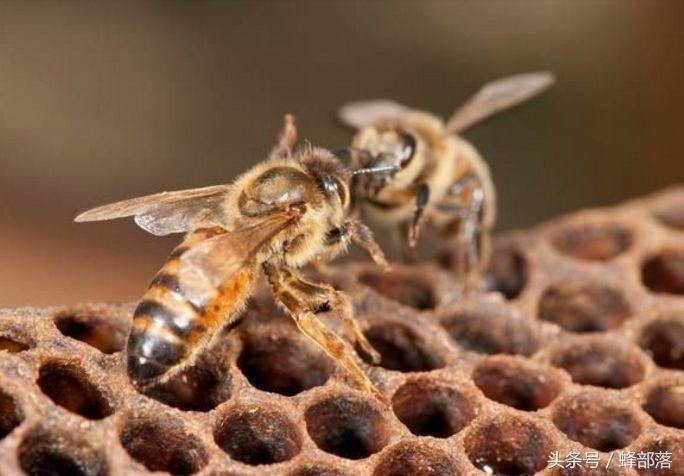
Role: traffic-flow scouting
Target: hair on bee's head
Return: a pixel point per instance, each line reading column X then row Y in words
column 332, row 176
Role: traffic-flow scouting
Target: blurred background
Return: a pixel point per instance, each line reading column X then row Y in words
column 103, row 101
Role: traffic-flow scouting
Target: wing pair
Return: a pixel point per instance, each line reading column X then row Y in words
column 492, row 98
column 205, row 266
column 168, row 212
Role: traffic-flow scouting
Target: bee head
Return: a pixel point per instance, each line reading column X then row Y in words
column 331, row 177
column 383, row 156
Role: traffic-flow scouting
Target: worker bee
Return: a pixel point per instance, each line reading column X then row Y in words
column 415, row 168
column 280, row 215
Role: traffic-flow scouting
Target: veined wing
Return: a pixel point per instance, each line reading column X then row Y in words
column 365, row 113
column 205, row 267
column 498, row 96
column 167, row 212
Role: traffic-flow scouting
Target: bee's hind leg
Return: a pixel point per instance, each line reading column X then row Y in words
column 476, row 238
column 302, row 300
column 473, row 240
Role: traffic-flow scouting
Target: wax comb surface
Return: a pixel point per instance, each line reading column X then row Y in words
column 581, row 349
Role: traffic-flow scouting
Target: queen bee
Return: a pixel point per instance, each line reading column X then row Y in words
column 283, row 213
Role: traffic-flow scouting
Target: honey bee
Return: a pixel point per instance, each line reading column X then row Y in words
column 414, row 168
column 277, row 217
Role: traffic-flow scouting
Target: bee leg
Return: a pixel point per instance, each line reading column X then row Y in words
column 422, row 200
column 337, row 241
column 354, row 231
column 286, row 139
column 408, row 253
column 321, row 297
column 344, row 310
column 362, row 236
column 307, row 322
column 471, row 240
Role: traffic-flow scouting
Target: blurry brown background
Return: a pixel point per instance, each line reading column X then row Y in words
column 102, row 101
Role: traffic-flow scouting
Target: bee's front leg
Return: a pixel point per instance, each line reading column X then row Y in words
column 422, row 200
column 363, row 237
column 302, row 299
column 339, row 238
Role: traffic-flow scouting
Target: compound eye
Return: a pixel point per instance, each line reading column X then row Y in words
column 408, row 149
column 333, row 186
column 341, row 192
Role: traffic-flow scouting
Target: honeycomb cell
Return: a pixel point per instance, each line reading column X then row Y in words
column 672, row 445
column 407, row 287
column 43, row 453
column 597, row 422
column 97, row 331
column 13, row 345
column 347, row 427
column 163, row 444
column 401, row 348
column 430, row 408
column 283, row 364
column 600, row 362
column 517, row 383
column 513, row 445
column 592, row 242
column 256, row 435
column 11, row 414
column 416, row 459
column 499, row 414
column 200, row 386
column 664, row 340
column 316, row 470
column 197, row 388
column 492, row 332
column 583, row 307
column 507, row 272
column 665, row 403
column 664, row 272
column 68, row 386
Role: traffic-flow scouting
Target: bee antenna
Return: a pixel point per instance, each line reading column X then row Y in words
column 375, row 170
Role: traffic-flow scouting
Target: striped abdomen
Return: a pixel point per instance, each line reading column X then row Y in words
column 168, row 330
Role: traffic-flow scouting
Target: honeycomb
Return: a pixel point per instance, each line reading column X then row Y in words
column 579, row 347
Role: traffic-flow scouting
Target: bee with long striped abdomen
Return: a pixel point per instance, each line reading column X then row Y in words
column 416, row 168
column 277, row 217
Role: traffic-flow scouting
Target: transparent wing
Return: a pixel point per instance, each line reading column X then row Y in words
column 167, row 212
column 497, row 96
column 205, row 267
column 364, row 113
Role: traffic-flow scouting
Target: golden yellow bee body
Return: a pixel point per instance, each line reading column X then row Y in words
column 280, row 215
column 413, row 167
